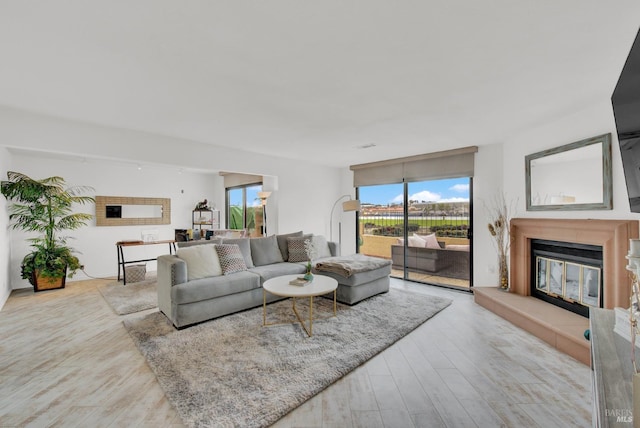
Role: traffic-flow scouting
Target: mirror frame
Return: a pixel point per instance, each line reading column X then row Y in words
column 607, row 186
column 103, row 201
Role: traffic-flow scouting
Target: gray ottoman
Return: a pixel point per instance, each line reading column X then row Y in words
column 360, row 285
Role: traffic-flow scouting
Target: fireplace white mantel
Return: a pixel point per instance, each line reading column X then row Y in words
column 559, row 327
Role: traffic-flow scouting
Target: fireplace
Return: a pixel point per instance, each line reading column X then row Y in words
column 612, row 236
column 561, row 328
column 567, row 274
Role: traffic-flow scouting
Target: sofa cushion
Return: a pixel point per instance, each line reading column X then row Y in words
column 458, row 247
column 202, row 261
column 245, row 249
column 283, row 245
column 297, row 249
column 278, row 269
column 211, row 288
column 231, row 259
column 265, row 251
column 359, row 277
column 321, row 247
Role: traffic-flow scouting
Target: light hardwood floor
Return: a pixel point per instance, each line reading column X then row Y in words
column 66, row 360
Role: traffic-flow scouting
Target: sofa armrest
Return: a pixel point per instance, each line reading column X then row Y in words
column 171, row 271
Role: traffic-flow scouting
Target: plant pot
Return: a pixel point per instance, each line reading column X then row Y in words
column 42, row 283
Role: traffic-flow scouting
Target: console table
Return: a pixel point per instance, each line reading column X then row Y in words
column 611, row 372
column 122, row 262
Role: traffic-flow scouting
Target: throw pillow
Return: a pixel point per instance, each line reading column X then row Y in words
column 231, row 259
column 321, row 246
column 432, row 241
column 297, row 250
column 284, row 246
column 202, row 261
column 245, row 249
column 265, row 251
column 417, row 241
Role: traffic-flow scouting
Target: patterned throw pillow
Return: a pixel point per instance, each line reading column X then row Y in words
column 297, row 251
column 284, row 245
column 231, row 259
column 245, row 249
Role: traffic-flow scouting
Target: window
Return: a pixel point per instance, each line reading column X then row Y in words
column 433, row 217
column 243, row 209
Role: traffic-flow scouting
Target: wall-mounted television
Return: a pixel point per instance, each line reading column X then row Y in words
column 626, row 109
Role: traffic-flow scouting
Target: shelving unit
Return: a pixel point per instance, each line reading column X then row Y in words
column 205, row 220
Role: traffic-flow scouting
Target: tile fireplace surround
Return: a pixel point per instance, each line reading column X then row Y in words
column 556, row 326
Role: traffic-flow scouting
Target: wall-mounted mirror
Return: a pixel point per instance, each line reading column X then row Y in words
column 131, row 211
column 575, row 176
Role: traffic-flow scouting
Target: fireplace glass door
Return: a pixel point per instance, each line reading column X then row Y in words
column 568, row 275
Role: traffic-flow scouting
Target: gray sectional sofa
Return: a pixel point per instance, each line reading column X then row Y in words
column 193, row 289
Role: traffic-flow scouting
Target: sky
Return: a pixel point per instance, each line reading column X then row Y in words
column 449, row 190
column 235, row 197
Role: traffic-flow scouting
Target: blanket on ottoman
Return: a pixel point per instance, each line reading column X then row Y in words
column 348, row 265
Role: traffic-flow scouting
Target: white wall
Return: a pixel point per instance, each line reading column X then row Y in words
column 96, row 245
column 5, row 246
column 301, row 199
column 23, row 130
column 303, row 193
column 346, row 219
column 487, row 186
column 593, row 120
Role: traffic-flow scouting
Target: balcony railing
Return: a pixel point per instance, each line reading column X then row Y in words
column 379, row 232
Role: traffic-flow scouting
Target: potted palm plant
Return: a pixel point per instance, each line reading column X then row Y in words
column 45, row 206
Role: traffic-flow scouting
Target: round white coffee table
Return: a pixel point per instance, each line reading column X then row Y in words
column 280, row 287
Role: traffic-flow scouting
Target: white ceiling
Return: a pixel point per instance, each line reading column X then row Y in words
column 315, row 80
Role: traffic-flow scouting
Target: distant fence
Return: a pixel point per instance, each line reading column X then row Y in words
column 444, row 226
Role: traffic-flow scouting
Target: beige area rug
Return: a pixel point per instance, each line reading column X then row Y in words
column 130, row 298
column 233, row 372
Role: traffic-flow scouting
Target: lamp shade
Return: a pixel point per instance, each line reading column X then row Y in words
column 351, row 205
column 264, row 195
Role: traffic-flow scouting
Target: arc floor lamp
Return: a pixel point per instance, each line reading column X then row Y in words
column 348, row 205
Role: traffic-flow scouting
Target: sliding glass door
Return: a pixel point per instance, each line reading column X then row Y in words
column 424, row 227
column 244, row 210
column 381, row 223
